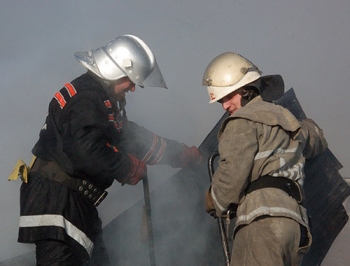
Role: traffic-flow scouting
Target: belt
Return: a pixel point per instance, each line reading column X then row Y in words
column 51, row 170
column 292, row 188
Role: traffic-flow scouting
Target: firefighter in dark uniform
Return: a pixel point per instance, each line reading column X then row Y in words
column 85, row 144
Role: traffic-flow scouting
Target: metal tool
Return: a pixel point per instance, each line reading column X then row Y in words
column 149, row 221
column 221, row 222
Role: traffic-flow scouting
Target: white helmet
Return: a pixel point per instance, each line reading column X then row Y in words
column 127, row 55
column 227, row 73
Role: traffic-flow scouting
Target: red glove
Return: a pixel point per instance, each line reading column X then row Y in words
column 190, row 156
column 138, row 171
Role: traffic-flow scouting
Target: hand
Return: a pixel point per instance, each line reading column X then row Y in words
column 190, row 156
column 210, row 208
column 138, row 171
column 209, row 205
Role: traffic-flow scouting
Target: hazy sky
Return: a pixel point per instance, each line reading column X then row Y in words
column 306, row 41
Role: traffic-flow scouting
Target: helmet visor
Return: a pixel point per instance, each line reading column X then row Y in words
column 154, row 79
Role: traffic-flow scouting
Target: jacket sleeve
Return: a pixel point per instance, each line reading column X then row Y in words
column 238, row 146
column 87, row 141
column 151, row 148
column 313, row 139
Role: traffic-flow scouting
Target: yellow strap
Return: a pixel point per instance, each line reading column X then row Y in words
column 21, row 170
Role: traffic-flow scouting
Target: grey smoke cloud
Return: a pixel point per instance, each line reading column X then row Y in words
column 305, row 42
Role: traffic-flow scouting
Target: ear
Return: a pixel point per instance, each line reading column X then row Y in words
column 245, row 93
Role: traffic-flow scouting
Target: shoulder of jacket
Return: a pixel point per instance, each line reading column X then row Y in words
column 269, row 114
column 81, row 89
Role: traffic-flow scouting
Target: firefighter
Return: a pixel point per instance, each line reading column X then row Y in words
column 84, row 145
column 260, row 173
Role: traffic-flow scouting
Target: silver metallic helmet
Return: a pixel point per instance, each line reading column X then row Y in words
column 127, row 55
column 227, row 73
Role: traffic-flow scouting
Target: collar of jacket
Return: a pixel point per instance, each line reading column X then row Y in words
column 266, row 113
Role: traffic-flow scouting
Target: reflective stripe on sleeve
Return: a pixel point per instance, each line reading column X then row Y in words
column 63, row 96
column 70, row 89
column 151, row 150
column 160, row 152
column 221, row 208
column 264, row 154
column 59, row 221
column 155, row 152
column 60, row 99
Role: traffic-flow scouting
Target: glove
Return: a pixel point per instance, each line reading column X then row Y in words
column 209, row 205
column 313, row 139
column 138, row 171
column 190, row 156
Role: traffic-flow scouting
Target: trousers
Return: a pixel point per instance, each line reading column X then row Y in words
column 52, row 252
column 269, row 241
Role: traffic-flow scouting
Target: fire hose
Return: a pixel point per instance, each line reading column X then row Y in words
column 221, row 223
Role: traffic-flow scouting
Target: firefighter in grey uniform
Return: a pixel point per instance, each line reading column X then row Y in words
column 85, row 144
column 260, row 173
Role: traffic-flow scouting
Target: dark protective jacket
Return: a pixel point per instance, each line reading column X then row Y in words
column 89, row 137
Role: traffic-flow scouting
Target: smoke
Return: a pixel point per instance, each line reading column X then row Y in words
column 291, row 38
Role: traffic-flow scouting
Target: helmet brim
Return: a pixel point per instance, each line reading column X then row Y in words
column 217, row 93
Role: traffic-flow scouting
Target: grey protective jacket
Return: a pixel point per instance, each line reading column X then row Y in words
column 261, row 139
